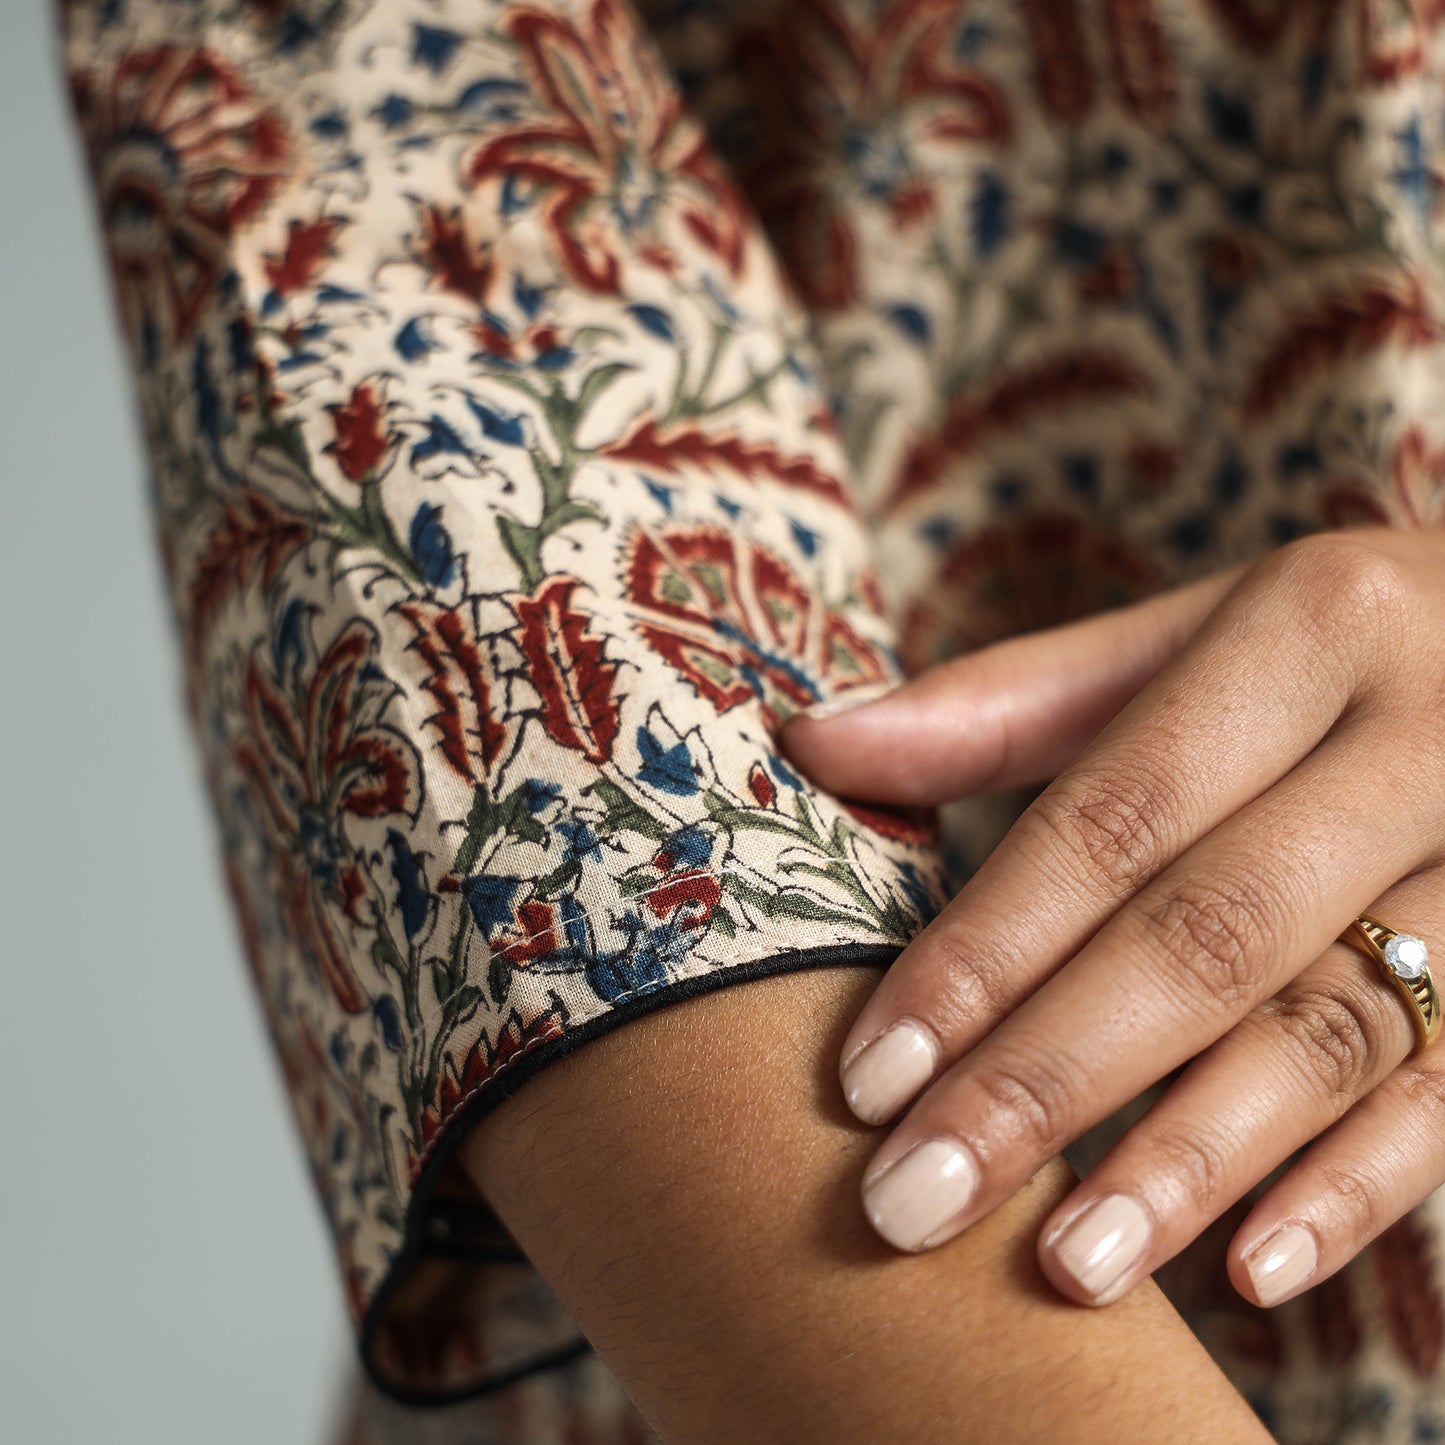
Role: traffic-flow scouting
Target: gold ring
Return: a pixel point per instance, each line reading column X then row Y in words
column 1406, row 962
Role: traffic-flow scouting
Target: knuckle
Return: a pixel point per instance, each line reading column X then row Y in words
column 1353, row 1196
column 1198, row 1165
column 1337, row 1037
column 1210, row 933
column 1348, row 582
column 1112, row 820
column 1036, row 1094
column 963, row 984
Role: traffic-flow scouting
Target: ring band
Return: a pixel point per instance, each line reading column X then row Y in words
column 1406, row 962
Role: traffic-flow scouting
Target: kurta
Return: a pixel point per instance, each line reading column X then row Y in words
column 546, row 400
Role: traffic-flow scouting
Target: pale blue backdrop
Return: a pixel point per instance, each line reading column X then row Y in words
column 164, row 1273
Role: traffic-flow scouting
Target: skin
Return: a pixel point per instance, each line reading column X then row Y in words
column 686, row 1185
column 1239, row 769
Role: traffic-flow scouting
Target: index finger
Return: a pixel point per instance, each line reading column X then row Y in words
column 1018, row 711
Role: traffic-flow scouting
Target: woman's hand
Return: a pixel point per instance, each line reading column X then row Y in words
column 1277, row 768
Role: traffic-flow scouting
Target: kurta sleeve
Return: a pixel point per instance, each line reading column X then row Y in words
column 504, row 520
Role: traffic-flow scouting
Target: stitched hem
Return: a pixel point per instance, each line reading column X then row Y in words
column 416, row 1244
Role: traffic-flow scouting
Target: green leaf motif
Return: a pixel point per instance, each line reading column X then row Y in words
column 441, row 980
column 634, row 884
column 524, row 546
column 598, row 381
column 486, row 817
column 466, row 998
column 785, row 905
column 562, row 877
column 896, row 920
column 384, row 956
column 286, row 437
column 517, row 819
column 623, row 815
column 480, row 826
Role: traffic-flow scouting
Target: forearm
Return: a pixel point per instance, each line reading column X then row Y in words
column 689, row 1186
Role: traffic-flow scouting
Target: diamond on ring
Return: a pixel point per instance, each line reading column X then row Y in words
column 1405, row 962
column 1407, row 955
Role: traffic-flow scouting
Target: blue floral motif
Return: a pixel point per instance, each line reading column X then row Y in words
column 668, row 768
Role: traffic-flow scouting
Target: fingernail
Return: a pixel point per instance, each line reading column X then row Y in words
column 912, row 1199
column 886, row 1073
column 844, row 701
column 1283, row 1261
column 1100, row 1245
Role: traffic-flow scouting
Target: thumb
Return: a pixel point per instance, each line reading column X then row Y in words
column 1016, row 712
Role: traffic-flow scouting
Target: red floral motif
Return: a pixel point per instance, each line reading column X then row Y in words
column 687, row 899
column 623, row 164
column 459, row 682
column 1152, row 465
column 460, row 264
column 1140, row 57
column 739, row 624
column 314, row 753
column 1062, row 72
column 1334, row 1325
column 1342, row 327
column 570, row 671
column 1143, row 61
column 362, row 441
column 1020, row 576
column 184, row 155
column 1416, row 494
column 825, row 84
column 1010, row 402
column 309, row 245
column 671, row 449
column 538, row 934
column 483, row 1062
column 918, row 826
column 530, row 345
column 761, row 786
column 1394, row 38
column 252, row 539
column 1255, row 24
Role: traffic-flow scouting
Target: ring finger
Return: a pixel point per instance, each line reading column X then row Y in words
column 1285, row 1073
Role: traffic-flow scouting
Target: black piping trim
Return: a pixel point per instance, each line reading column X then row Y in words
column 415, row 1243
column 473, row 1253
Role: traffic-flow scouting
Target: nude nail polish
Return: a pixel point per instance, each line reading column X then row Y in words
column 1099, row 1247
column 1283, row 1261
column 886, row 1073
column 913, row 1201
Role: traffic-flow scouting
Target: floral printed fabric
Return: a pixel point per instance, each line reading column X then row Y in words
column 547, row 399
